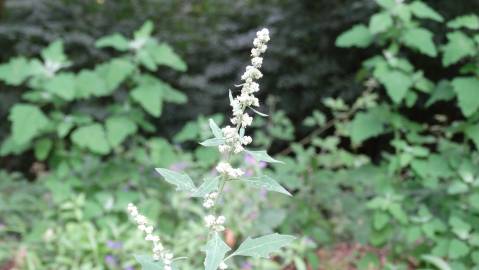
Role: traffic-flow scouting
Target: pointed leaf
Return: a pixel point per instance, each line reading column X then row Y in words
column 358, row 36
column 467, row 91
column 438, row 262
column 215, row 249
column 380, row 22
column 263, row 246
column 265, row 182
column 215, row 129
column 62, row 85
column 145, row 30
column 89, row 83
column 208, row 186
column 458, row 47
column 466, row 21
column 397, row 83
column 27, row 122
column 15, row 71
column 421, row 10
column 147, row 263
column 163, row 54
column 258, row 112
column 116, row 41
column 150, row 98
column 262, row 155
column 118, row 128
column 213, row 142
column 366, row 125
column 92, row 137
column 54, row 52
column 420, row 39
column 181, row 180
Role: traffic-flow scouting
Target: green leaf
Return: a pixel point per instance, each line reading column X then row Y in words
column 116, row 41
column 42, row 148
column 27, row 122
column 366, row 125
column 215, row 129
column 357, row 36
column 387, row 4
column 163, row 54
column 62, row 85
column 173, row 95
column 266, row 182
column 467, row 91
column 457, row 249
column 442, row 92
column 263, row 246
column 118, row 128
column 213, row 142
column 54, row 52
column 465, row 21
column 145, row 30
column 89, row 83
column 15, row 71
column 421, row 10
column 150, row 98
column 181, row 180
column 208, row 186
column 262, row 155
column 215, row 250
column 91, row 137
column 420, row 39
column 380, row 22
column 380, row 220
column 436, row 261
column 472, row 132
column 460, row 227
column 114, row 73
column 458, row 47
column 397, row 83
column 147, row 263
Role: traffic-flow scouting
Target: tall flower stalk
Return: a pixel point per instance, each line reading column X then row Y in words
column 230, row 141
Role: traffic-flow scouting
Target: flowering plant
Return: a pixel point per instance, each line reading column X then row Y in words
column 231, row 141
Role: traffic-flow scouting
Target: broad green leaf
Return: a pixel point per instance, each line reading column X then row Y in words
column 54, row 52
column 150, row 98
column 42, row 148
column 421, row 10
column 15, row 71
column 442, row 92
column 114, row 73
column 457, row 249
column 387, row 4
column 420, row 39
column 91, row 137
column 116, row 41
column 118, row 128
column 209, row 185
column 263, row 246
column 460, row 227
column 380, row 22
column 366, row 125
column 266, row 182
column 458, row 47
column 466, row 21
column 145, row 30
column 215, row 129
column 62, row 85
column 173, row 95
column 147, row 263
column 262, row 155
column 438, row 262
column 163, row 54
column 27, row 122
column 146, row 59
column 89, row 83
column 397, row 83
column 467, row 91
column 215, row 250
column 181, row 180
column 380, row 220
column 9, row 146
column 472, row 132
column 357, row 36
column 213, row 142
column 396, row 210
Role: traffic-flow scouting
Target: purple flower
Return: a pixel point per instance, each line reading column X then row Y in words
column 129, row 268
column 180, row 166
column 248, row 159
column 111, row 260
column 114, row 245
column 246, row 266
column 249, row 172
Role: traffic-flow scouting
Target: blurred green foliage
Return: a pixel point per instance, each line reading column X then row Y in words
column 385, row 155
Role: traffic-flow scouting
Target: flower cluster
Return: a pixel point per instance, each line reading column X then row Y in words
column 233, row 141
column 159, row 252
column 226, row 169
column 215, row 223
column 210, row 199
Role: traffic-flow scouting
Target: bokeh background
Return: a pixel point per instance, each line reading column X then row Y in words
column 62, row 199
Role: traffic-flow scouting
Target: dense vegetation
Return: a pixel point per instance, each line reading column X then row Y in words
column 373, row 109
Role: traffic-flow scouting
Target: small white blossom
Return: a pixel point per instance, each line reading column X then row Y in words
column 246, row 140
column 220, row 220
column 223, row 266
column 257, row 62
column 246, row 120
